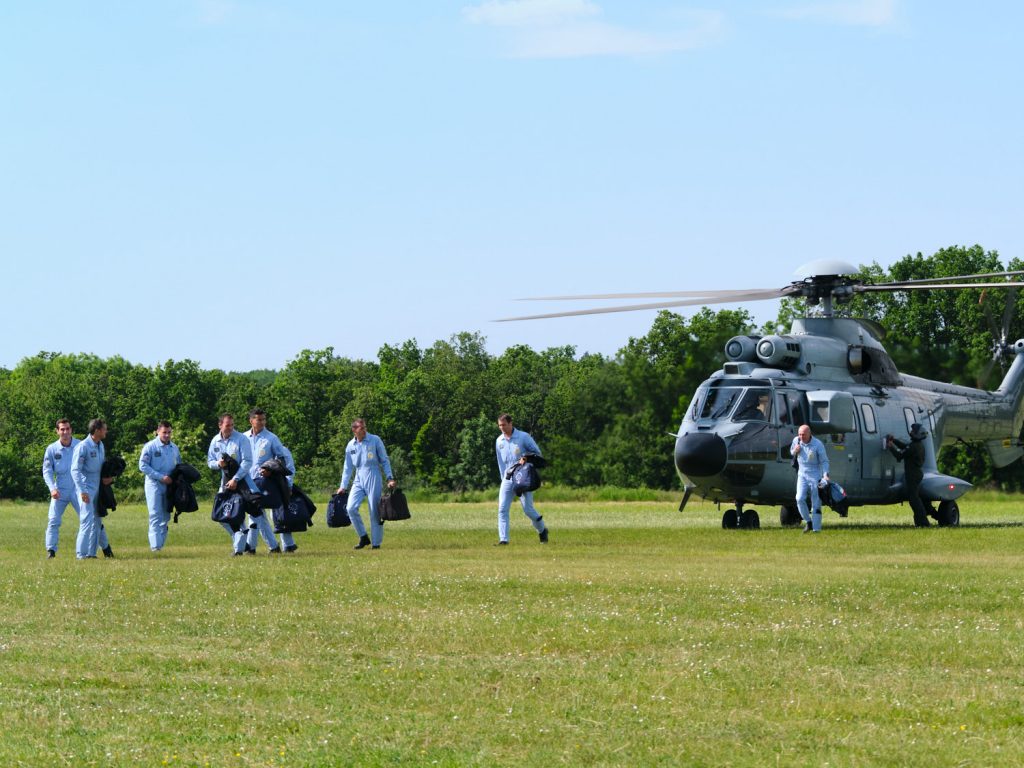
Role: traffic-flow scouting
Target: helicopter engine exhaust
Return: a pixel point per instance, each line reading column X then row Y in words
column 700, row 454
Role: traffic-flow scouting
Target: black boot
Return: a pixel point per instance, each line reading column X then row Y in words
column 364, row 541
column 107, row 551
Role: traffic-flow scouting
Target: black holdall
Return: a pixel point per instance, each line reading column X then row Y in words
column 229, row 507
column 525, row 478
column 337, row 511
column 394, row 506
column 295, row 516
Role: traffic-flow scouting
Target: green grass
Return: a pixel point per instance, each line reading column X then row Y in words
column 638, row 636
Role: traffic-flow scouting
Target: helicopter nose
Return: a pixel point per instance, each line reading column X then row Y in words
column 700, row 454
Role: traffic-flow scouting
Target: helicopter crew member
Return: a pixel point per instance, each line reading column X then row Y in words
column 86, row 466
column 229, row 442
column 365, row 459
column 512, row 447
column 812, row 465
column 266, row 446
column 157, row 461
column 57, row 474
column 912, row 455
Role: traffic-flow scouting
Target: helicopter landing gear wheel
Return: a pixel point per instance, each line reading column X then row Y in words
column 789, row 516
column 750, row 520
column 731, row 519
column 948, row 514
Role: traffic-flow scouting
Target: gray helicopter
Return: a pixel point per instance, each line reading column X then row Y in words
column 834, row 374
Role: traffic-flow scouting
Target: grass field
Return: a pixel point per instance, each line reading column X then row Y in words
column 638, row 636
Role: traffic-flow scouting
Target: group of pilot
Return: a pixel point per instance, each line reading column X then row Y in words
column 72, row 470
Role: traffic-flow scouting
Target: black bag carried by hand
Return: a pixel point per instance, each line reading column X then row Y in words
column 525, row 478
column 337, row 511
column 394, row 506
column 229, row 507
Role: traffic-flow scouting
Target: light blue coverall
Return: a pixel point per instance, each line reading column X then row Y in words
column 509, row 450
column 57, row 474
column 364, row 461
column 157, row 461
column 237, row 447
column 266, row 446
column 812, row 462
column 86, row 464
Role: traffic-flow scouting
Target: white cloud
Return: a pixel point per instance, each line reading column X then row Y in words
column 861, row 13
column 518, row 13
column 550, row 29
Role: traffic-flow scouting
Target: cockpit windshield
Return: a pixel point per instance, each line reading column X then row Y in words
column 745, row 403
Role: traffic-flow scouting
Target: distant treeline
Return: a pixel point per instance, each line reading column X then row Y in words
column 600, row 420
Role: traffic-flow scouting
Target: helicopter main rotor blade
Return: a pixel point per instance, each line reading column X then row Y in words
column 651, row 295
column 731, row 298
column 1011, row 305
column 894, row 287
column 925, row 280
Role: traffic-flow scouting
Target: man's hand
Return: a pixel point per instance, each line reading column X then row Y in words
column 85, row 498
column 221, row 463
column 391, row 483
column 166, row 480
column 341, row 490
column 231, row 484
column 54, row 494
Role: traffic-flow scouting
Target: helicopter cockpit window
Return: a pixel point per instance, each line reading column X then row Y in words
column 756, row 405
column 868, row 414
column 719, row 401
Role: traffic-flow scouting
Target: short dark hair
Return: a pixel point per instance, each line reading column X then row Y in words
column 505, row 417
column 62, row 421
column 96, row 424
column 220, row 419
column 164, row 423
column 358, row 421
column 257, row 412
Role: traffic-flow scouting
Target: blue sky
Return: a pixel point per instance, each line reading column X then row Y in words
column 233, row 182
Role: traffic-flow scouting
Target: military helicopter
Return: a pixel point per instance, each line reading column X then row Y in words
column 832, row 373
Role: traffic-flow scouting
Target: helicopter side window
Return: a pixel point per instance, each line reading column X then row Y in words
column 755, row 406
column 797, row 411
column 781, row 409
column 908, row 416
column 868, row 413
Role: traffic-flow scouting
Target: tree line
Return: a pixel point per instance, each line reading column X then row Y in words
column 601, row 420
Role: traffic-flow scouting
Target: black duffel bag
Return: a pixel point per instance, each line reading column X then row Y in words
column 229, row 507
column 394, row 506
column 337, row 511
column 295, row 516
column 525, row 478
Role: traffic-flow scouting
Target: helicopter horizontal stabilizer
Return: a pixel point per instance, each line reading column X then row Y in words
column 1003, row 453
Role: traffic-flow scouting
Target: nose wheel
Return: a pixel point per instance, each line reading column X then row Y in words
column 735, row 518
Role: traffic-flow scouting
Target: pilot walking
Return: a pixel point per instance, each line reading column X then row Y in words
column 812, row 465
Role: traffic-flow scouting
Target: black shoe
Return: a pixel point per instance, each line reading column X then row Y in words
column 544, row 536
column 50, row 554
column 501, row 544
column 364, row 541
column 275, row 551
column 291, row 548
column 375, row 546
column 107, row 551
column 237, row 554
column 250, row 550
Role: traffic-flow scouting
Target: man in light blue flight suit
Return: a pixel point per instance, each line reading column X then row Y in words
column 265, row 445
column 512, row 447
column 234, row 444
column 86, row 466
column 812, row 465
column 57, row 474
column 157, row 461
column 365, row 459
